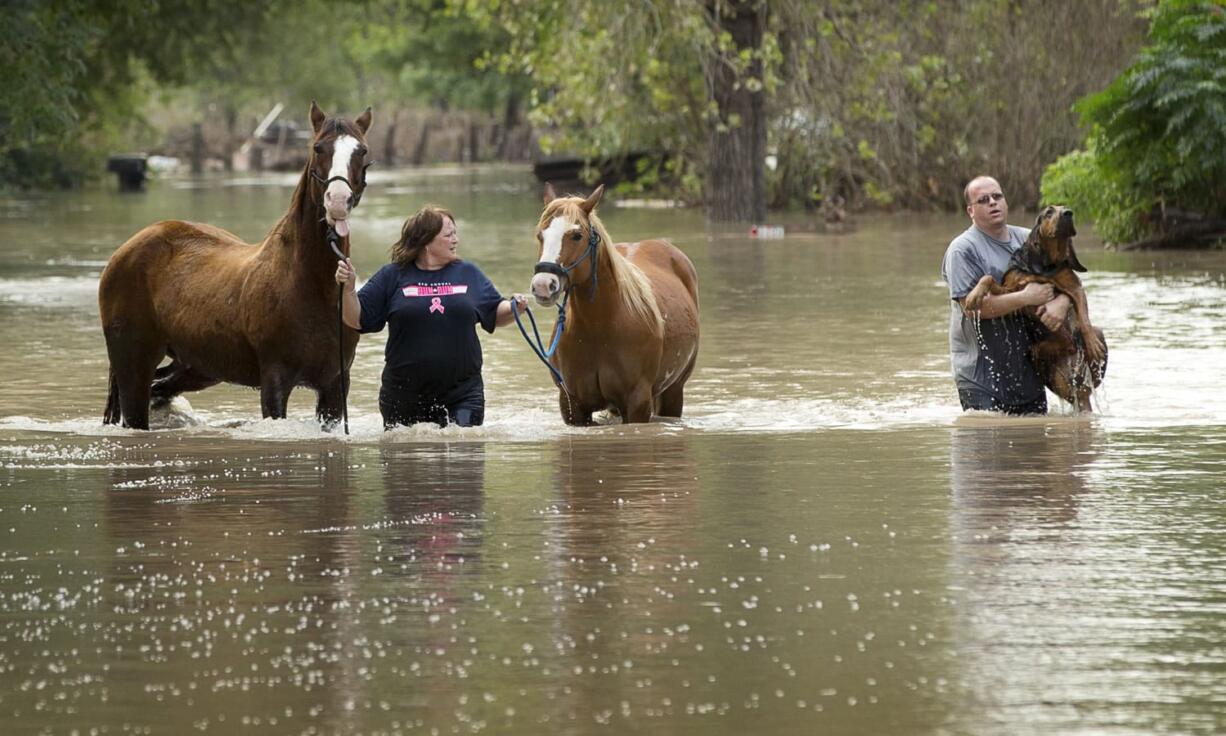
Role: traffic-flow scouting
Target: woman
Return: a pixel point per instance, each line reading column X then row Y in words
column 431, row 301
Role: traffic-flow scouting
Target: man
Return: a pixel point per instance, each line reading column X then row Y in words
column 990, row 351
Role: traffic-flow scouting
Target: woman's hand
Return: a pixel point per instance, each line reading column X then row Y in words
column 346, row 274
column 514, row 304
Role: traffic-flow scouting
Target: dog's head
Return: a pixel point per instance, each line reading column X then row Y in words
column 1052, row 238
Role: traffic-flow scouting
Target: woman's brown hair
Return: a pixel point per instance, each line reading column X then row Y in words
column 417, row 233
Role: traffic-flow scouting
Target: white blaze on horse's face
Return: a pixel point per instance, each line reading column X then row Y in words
column 338, row 198
column 545, row 286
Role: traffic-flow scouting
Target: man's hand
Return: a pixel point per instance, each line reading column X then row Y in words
column 1053, row 313
column 1035, row 294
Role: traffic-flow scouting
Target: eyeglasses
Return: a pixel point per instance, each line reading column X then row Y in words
column 993, row 197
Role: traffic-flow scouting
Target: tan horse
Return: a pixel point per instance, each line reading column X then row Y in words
column 222, row 310
column 631, row 325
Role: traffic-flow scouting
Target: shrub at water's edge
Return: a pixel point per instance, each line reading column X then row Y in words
column 1153, row 171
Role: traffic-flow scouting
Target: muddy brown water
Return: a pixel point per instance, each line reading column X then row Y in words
column 822, row 544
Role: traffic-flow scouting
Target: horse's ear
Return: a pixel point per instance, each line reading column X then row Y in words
column 550, row 194
column 590, row 203
column 363, row 121
column 317, row 117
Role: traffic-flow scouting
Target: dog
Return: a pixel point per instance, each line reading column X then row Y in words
column 1072, row 360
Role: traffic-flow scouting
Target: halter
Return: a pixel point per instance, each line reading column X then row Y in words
column 357, row 196
column 561, row 271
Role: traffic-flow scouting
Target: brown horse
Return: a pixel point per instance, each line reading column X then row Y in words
column 222, row 310
column 631, row 326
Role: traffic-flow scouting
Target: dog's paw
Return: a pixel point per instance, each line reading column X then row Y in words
column 1095, row 349
column 973, row 301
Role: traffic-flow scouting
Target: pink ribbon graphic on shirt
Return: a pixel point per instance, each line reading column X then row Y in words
column 436, row 305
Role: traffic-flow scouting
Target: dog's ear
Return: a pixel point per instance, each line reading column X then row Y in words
column 1072, row 258
column 1034, row 241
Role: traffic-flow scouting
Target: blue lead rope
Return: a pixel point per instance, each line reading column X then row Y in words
column 538, row 346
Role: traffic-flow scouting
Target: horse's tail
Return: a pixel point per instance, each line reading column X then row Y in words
column 110, row 415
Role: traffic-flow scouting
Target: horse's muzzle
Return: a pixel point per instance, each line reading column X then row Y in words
column 545, row 288
column 338, row 201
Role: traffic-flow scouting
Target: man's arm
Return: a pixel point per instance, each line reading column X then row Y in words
column 998, row 305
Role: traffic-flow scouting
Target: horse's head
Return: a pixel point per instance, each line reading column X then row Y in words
column 568, row 234
column 338, row 164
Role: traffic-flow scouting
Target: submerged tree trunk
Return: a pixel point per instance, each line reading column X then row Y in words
column 419, row 151
column 736, row 151
column 389, row 143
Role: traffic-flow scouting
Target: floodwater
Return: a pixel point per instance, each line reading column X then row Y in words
column 823, row 544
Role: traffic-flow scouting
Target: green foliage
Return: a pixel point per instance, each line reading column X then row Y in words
column 438, row 53
column 1078, row 180
column 885, row 104
column 899, row 104
column 80, row 70
column 1158, row 132
column 607, row 82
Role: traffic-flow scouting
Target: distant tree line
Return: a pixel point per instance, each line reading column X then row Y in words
column 741, row 104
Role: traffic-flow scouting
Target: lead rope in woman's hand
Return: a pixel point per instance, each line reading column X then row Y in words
column 538, row 347
column 334, row 240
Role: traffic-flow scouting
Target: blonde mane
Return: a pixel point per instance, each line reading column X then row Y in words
column 632, row 284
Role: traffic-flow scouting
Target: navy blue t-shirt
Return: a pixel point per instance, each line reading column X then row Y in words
column 430, row 317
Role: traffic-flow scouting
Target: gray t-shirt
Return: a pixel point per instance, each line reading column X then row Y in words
column 988, row 355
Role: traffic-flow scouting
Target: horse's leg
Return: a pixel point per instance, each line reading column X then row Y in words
column 672, row 399
column 176, row 378
column 328, row 404
column 275, row 387
column 638, row 406
column 572, row 413
column 111, row 414
column 134, row 356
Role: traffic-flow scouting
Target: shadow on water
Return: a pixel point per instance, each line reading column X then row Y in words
column 614, row 493
column 434, row 500
column 612, row 542
column 1026, row 562
column 1020, row 473
column 232, row 580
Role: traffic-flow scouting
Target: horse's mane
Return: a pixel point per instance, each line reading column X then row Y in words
column 632, row 284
